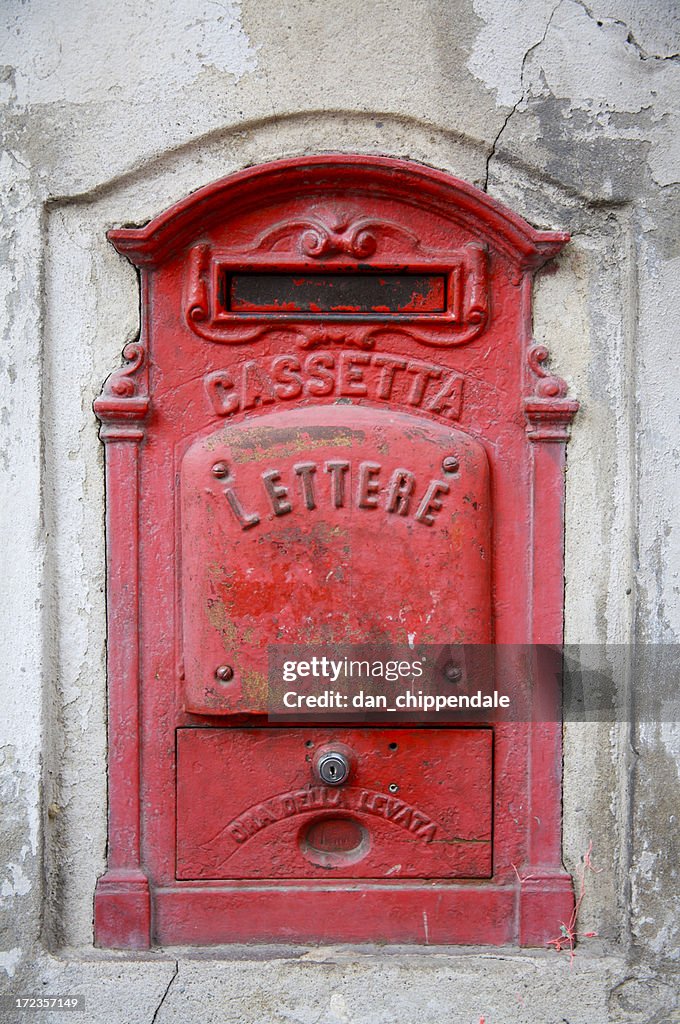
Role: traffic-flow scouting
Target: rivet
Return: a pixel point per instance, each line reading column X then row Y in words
column 453, row 673
column 225, row 673
column 393, row 787
column 220, row 469
column 450, row 464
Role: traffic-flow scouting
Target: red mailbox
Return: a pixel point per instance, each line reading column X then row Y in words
column 334, row 428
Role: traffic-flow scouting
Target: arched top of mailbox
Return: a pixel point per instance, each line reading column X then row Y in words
column 401, row 180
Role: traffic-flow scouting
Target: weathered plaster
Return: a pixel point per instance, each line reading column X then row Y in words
column 21, row 591
column 511, row 30
column 126, row 52
column 580, row 82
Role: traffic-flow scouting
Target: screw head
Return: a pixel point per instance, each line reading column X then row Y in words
column 224, row 673
column 450, row 464
column 453, row 673
column 220, row 469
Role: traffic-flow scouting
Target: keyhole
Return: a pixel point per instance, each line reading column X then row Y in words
column 332, row 768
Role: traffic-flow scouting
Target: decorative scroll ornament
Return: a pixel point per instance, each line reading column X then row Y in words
column 549, row 412
column 124, row 397
column 340, row 236
column 548, row 386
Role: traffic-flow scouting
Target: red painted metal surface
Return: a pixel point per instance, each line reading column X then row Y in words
column 319, row 337
column 290, row 542
column 277, row 821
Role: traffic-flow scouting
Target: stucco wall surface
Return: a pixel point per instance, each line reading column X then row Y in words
column 565, row 111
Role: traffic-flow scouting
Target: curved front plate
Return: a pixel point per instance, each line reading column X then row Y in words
column 338, row 524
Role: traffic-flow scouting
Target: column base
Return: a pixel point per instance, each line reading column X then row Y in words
column 546, row 902
column 122, row 910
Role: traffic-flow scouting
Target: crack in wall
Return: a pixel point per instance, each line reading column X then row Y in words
column 604, row 27
column 154, row 1019
column 522, row 96
column 630, row 38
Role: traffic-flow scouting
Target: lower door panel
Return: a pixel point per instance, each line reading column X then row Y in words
column 417, row 804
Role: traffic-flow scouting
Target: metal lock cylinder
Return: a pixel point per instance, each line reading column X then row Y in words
column 333, row 767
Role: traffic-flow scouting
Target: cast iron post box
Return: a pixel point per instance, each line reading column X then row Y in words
column 334, row 427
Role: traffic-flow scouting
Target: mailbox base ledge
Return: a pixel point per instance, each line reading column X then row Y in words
column 122, row 910
column 423, row 915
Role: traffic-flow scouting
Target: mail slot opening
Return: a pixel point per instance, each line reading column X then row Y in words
column 383, row 292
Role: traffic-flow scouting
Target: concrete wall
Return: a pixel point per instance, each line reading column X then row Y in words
column 565, row 111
